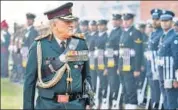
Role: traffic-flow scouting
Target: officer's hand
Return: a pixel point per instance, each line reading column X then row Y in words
column 136, row 73
column 118, row 72
column 175, row 84
column 142, row 68
column 88, row 107
column 105, row 72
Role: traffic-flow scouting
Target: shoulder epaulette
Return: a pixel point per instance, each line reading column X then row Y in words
column 42, row 37
column 79, row 35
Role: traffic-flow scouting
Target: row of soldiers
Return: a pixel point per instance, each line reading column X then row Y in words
column 128, row 58
column 122, row 60
column 17, row 48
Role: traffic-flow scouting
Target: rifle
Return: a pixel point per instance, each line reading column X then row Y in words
column 116, row 103
column 105, row 101
column 88, row 93
column 161, row 101
column 96, row 99
column 148, row 99
column 141, row 93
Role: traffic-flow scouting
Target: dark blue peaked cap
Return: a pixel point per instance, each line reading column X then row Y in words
column 84, row 22
column 30, row 16
column 102, row 22
column 167, row 15
column 92, row 22
column 116, row 16
column 156, row 13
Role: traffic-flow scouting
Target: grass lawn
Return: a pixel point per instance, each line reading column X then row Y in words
column 11, row 95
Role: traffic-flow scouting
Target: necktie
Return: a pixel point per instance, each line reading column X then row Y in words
column 63, row 46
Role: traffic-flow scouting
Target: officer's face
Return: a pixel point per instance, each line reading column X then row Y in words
column 62, row 29
column 93, row 27
column 166, row 25
column 30, row 22
column 116, row 23
column 156, row 23
column 127, row 23
column 101, row 27
column 83, row 28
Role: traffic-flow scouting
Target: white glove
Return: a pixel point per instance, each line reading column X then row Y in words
column 116, row 52
column 176, row 74
column 96, row 53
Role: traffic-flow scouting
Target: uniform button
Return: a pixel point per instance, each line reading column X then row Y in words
column 76, row 66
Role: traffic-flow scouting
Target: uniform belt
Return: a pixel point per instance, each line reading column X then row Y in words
column 67, row 98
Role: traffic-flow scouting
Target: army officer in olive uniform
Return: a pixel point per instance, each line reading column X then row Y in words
column 58, row 64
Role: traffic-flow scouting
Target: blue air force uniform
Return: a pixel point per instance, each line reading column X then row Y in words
column 168, row 61
column 100, row 60
column 130, row 52
column 92, row 60
column 152, row 56
column 50, row 58
column 112, row 58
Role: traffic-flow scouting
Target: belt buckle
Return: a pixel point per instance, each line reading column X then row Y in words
column 78, row 96
column 62, row 98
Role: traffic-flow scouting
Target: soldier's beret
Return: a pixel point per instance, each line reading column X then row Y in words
column 30, row 16
column 167, row 15
column 84, row 22
column 156, row 13
column 63, row 12
column 102, row 22
column 4, row 24
column 92, row 22
column 116, row 16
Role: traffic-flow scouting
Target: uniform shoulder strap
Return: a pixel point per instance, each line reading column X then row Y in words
column 43, row 36
column 79, row 35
